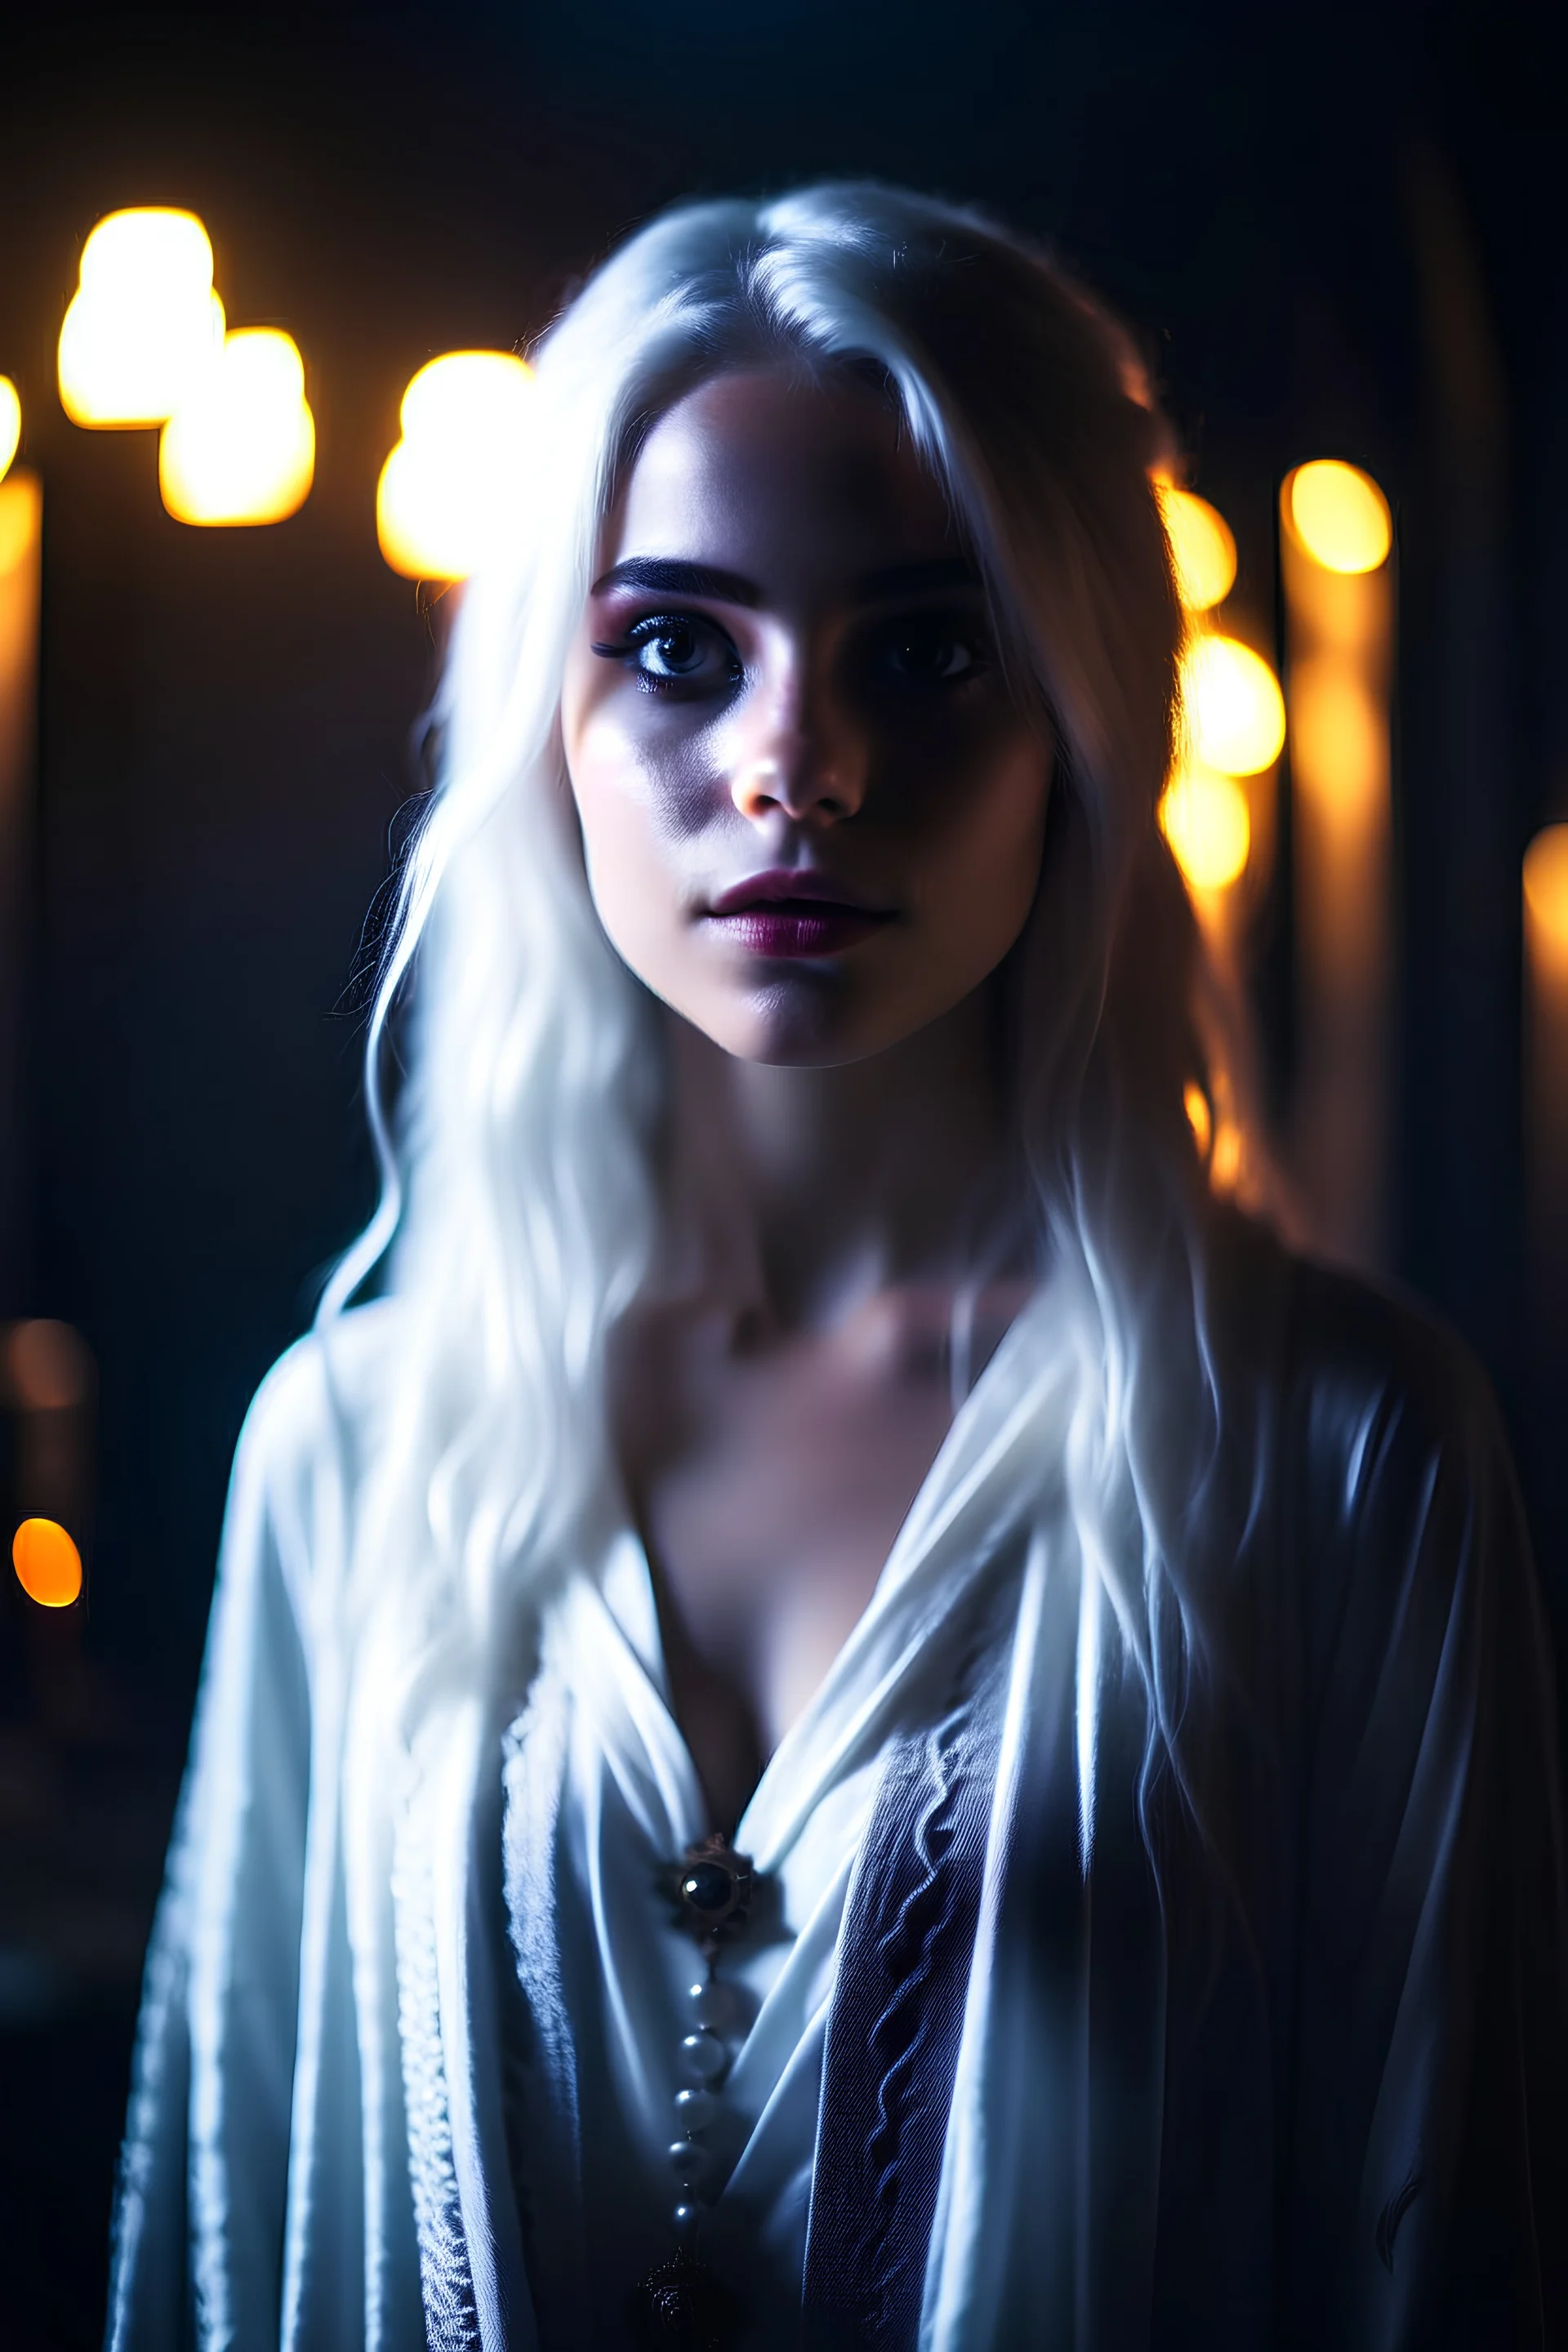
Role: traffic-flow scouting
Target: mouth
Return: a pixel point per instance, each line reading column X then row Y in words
column 794, row 913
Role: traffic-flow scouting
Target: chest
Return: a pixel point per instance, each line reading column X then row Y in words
column 771, row 1480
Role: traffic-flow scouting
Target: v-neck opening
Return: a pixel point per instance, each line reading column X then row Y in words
column 912, row 1539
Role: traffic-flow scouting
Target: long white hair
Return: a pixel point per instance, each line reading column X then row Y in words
column 518, row 1212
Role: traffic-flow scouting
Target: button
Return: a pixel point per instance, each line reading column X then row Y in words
column 694, row 2110
column 712, row 2005
column 702, row 2058
column 688, row 2162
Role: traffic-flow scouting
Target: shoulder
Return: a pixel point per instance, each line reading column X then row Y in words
column 315, row 1427
column 1396, row 1529
column 1345, row 1378
column 335, row 1380
column 1382, row 1402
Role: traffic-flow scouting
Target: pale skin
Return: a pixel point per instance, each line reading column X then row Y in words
column 784, row 668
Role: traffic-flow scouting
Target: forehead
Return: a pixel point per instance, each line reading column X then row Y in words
column 788, row 478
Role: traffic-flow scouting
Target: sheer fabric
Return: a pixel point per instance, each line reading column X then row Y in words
column 1000, row 2078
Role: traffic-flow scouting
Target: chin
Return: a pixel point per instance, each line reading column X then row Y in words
column 804, row 1023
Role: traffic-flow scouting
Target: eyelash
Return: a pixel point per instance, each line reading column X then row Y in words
column 654, row 625
column 648, row 631
column 904, row 635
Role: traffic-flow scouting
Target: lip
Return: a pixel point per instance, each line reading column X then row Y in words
column 794, row 882
column 792, row 911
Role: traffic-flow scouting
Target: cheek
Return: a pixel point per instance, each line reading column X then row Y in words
column 636, row 803
column 627, row 769
column 622, row 848
column 986, row 839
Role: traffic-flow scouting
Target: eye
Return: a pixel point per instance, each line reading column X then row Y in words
column 933, row 652
column 675, row 649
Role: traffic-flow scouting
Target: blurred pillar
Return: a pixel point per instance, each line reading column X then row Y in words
column 1465, row 820
column 1339, row 678
column 1461, row 815
column 1546, row 1064
column 21, row 516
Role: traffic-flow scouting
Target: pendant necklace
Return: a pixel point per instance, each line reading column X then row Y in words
column 682, row 2306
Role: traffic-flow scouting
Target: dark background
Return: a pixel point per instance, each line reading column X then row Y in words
column 1336, row 231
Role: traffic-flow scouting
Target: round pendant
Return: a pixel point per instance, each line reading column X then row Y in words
column 711, row 1884
column 681, row 2307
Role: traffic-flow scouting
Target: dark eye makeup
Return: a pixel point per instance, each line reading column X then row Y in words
column 930, row 649
column 664, row 651
column 685, row 652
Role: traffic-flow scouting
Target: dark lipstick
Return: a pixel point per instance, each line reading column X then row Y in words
column 793, row 911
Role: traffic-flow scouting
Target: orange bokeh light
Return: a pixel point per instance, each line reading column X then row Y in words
column 1224, row 1164
column 1206, row 821
column 1546, row 901
column 48, row 1563
column 1200, row 1118
column 1340, row 739
column 1203, row 548
column 1340, row 515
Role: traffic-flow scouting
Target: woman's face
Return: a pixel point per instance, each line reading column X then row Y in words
column 812, row 810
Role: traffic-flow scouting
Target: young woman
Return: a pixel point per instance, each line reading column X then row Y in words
column 856, row 1710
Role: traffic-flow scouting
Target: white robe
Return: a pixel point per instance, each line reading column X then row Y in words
column 433, row 2107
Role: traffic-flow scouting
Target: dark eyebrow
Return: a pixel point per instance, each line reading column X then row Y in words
column 911, row 579
column 663, row 575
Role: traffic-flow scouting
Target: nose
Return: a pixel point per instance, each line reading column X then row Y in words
column 801, row 755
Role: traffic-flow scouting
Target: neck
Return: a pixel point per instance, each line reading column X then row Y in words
column 803, row 1190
